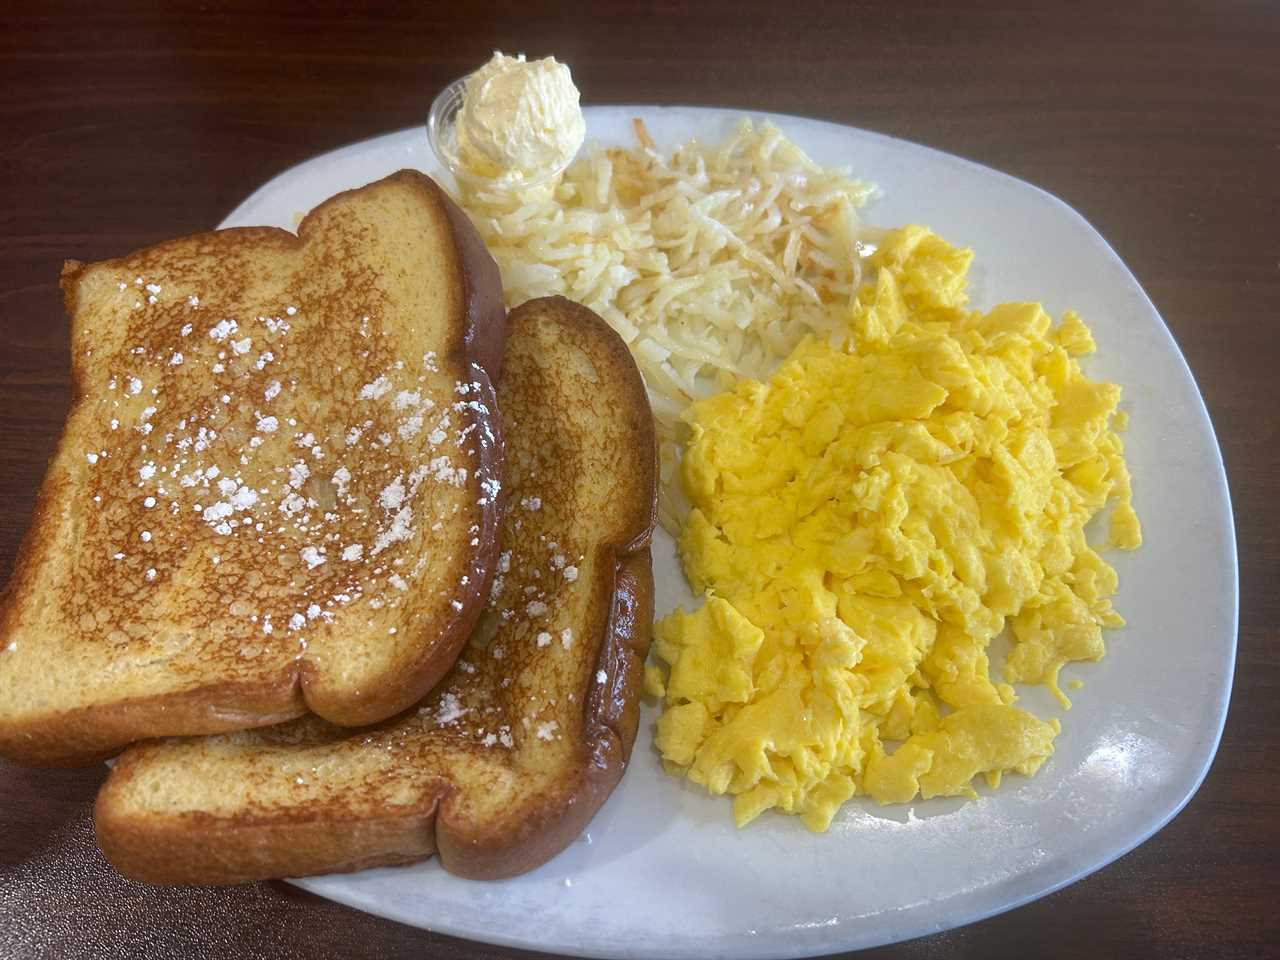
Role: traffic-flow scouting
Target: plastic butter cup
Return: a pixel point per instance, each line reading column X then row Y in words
column 442, row 134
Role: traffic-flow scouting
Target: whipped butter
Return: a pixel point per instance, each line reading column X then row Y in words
column 520, row 120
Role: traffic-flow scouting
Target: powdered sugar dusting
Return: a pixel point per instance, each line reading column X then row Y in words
column 450, row 709
column 375, row 389
column 223, row 329
column 234, row 464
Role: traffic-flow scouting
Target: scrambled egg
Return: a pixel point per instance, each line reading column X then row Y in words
column 865, row 523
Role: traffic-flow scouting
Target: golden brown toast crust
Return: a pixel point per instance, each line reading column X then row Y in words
column 510, row 757
column 243, row 695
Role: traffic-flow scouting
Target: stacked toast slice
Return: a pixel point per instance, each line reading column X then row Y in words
column 361, row 561
column 278, row 488
column 513, row 752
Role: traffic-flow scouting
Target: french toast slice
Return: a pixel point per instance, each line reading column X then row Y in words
column 511, row 755
column 277, row 488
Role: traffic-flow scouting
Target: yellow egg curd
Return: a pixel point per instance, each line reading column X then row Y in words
column 865, row 523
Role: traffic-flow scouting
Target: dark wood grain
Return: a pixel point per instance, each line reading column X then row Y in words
column 123, row 123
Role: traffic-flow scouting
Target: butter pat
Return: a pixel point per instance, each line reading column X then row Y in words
column 520, row 120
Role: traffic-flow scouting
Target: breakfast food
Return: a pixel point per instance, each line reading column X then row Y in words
column 865, row 523
column 519, row 121
column 510, row 756
column 277, row 489
column 712, row 262
column 282, row 492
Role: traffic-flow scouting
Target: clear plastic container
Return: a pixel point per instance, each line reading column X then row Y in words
column 442, row 133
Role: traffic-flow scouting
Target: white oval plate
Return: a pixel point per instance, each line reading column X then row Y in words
column 662, row 872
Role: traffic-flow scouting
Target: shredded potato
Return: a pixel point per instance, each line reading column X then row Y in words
column 712, row 263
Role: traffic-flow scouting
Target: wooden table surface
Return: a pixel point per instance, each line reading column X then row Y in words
column 122, row 124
